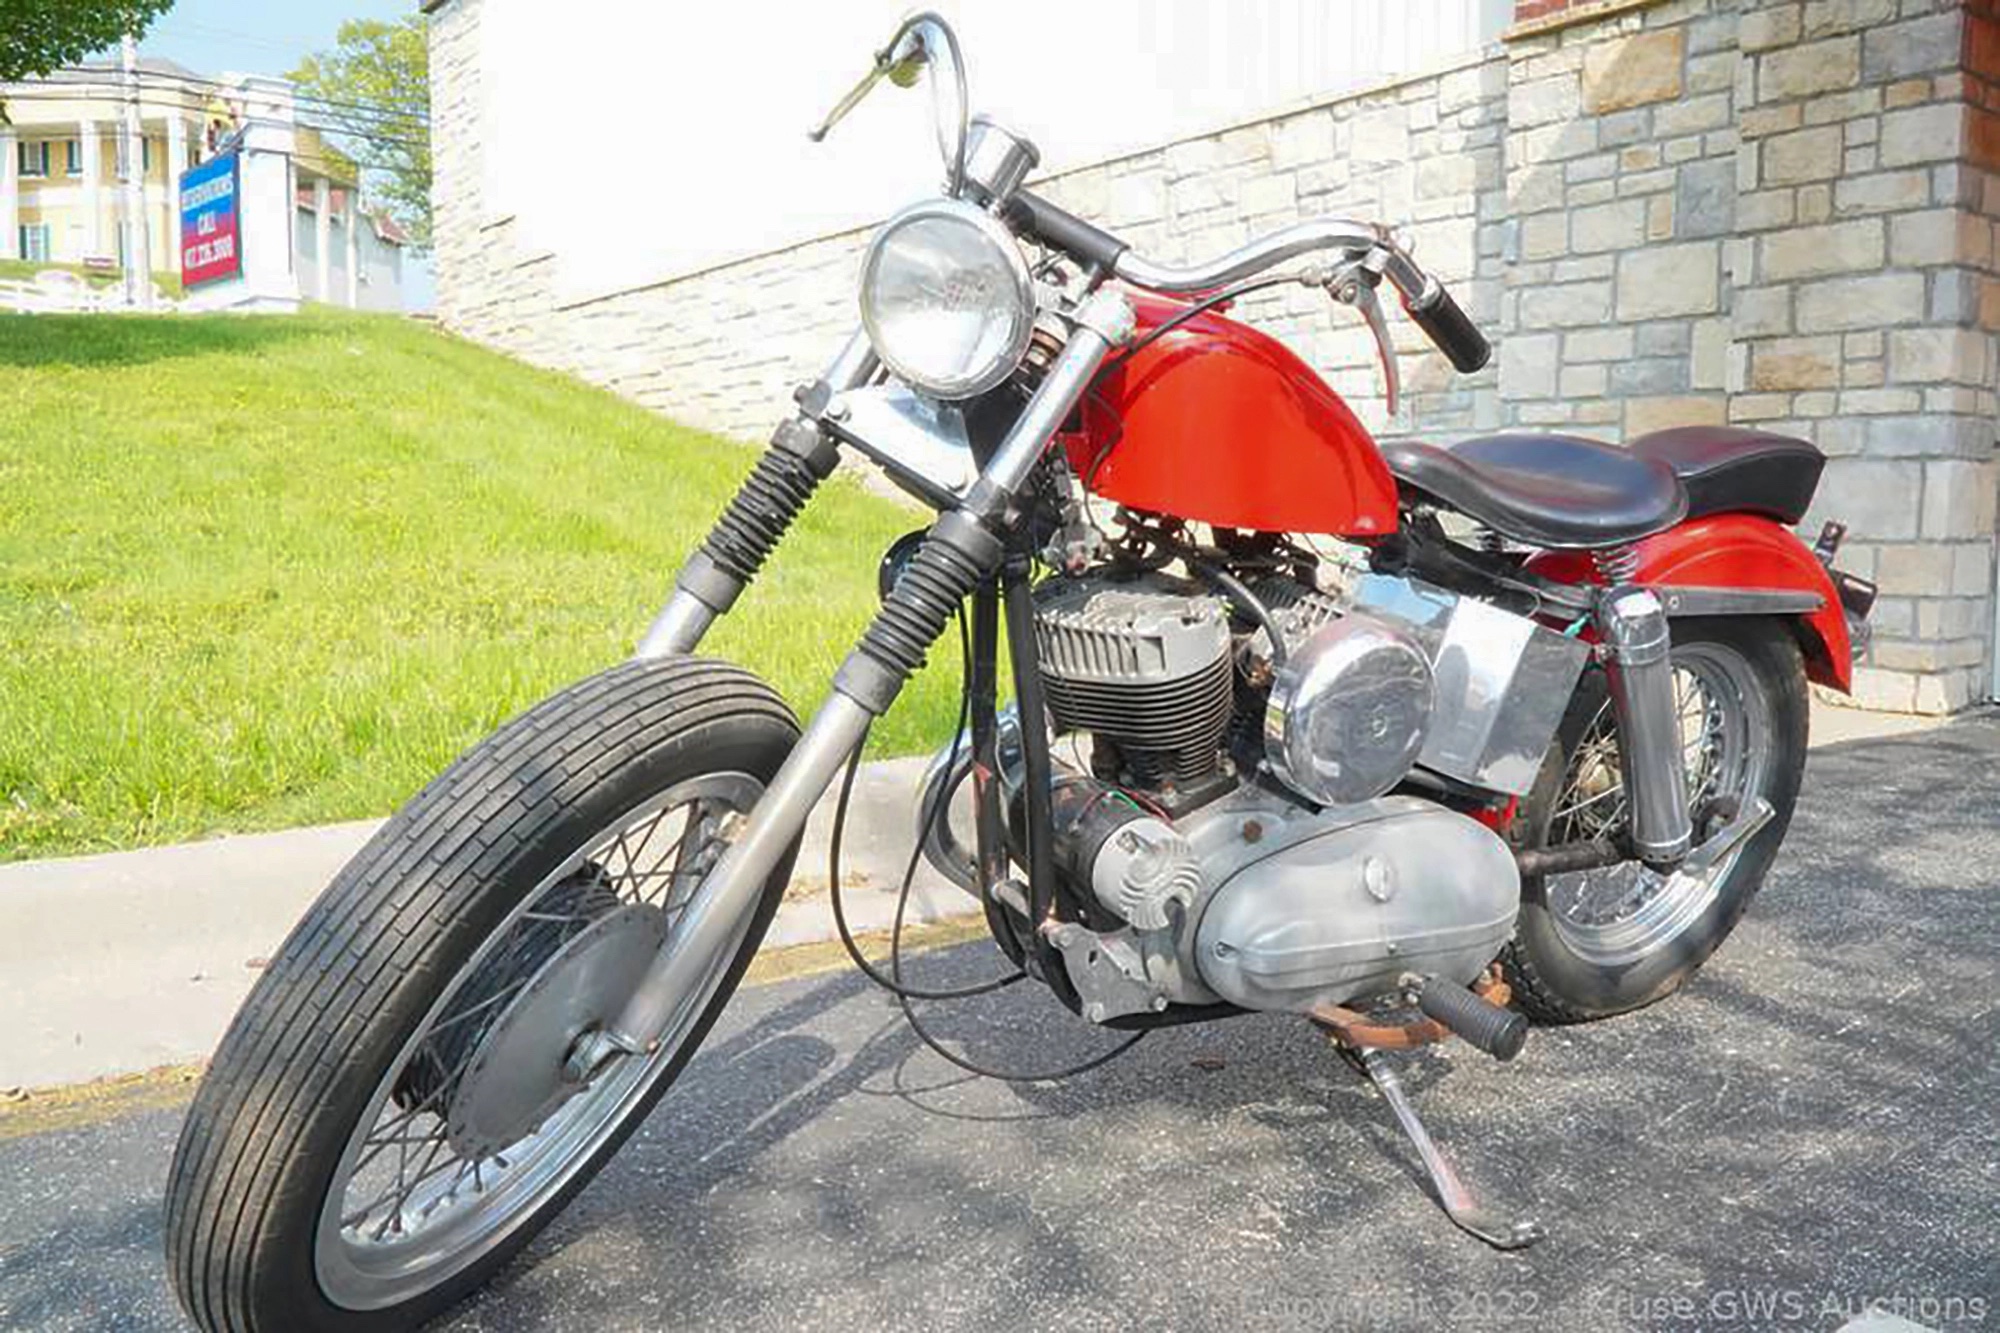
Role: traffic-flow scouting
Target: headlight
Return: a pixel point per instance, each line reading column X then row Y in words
column 946, row 298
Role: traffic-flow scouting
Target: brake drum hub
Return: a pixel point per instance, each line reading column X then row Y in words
column 516, row 1078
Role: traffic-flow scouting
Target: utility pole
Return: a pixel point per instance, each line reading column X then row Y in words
column 138, row 241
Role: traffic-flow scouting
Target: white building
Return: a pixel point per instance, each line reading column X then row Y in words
column 64, row 185
column 721, row 96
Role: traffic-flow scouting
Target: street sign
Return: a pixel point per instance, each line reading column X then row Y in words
column 211, row 234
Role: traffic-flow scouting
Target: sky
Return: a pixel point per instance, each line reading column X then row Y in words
column 262, row 37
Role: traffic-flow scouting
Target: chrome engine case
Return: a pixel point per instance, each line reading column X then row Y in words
column 1330, row 906
column 1301, row 907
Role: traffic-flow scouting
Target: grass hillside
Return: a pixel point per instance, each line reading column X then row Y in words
column 265, row 571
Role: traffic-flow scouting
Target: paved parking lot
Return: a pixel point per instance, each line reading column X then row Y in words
column 1814, row 1125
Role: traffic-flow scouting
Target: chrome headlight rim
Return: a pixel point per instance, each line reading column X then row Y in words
column 1021, row 293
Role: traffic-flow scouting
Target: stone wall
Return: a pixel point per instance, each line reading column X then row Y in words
column 1767, row 212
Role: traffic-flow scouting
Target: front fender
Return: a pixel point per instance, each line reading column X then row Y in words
column 1735, row 551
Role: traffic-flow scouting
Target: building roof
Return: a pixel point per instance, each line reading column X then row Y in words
column 93, row 71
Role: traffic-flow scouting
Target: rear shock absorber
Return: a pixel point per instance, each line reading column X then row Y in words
column 1639, row 668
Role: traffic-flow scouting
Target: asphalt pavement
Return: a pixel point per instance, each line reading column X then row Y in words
column 1812, row 1127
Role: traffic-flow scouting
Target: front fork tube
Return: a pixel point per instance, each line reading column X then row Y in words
column 961, row 553
column 800, row 457
column 1638, row 665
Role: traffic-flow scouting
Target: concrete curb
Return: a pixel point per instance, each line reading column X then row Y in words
column 125, row 962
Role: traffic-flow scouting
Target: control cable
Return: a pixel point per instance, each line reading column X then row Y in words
column 893, row 982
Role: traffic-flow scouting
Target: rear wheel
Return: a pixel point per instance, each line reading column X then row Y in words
column 402, row 1103
column 1589, row 944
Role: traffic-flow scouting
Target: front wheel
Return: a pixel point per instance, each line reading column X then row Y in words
column 401, row 1104
column 1590, row 944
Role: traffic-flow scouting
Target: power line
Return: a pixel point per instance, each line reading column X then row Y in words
column 160, row 80
column 389, row 135
column 274, row 41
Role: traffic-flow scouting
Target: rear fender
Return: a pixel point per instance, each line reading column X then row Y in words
column 1735, row 551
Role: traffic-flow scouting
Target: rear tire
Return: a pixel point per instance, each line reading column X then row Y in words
column 341, row 1018
column 1753, row 670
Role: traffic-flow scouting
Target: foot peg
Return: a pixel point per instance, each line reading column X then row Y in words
column 1459, row 1204
column 1499, row 1032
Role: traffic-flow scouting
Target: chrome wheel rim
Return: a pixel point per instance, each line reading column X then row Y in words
column 1620, row 914
column 406, row 1210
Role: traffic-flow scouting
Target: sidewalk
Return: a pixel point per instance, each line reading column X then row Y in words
column 118, row 963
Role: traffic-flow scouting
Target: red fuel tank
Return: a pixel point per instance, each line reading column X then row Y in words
column 1217, row 422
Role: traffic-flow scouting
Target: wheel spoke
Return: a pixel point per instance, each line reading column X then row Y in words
column 411, row 1195
column 1718, row 707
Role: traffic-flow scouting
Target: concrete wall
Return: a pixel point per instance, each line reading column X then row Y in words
column 1777, row 214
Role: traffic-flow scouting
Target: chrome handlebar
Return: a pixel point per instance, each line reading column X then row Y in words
column 1265, row 252
column 1370, row 253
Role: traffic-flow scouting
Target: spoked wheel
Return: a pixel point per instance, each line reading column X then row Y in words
column 1599, row 942
column 411, row 1093
column 489, row 1109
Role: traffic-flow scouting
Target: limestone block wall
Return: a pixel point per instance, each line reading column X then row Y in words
column 1776, row 213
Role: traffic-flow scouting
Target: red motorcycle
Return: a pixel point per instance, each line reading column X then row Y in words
column 1410, row 740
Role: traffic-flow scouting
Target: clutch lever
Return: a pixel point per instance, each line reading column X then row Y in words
column 1356, row 285
column 900, row 62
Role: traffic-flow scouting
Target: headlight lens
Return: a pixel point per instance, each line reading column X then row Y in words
column 946, row 299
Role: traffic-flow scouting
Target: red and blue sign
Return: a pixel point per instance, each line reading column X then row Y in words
column 211, row 237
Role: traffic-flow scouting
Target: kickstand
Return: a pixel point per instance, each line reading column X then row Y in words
column 1459, row 1205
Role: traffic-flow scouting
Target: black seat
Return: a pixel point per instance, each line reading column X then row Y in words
column 1547, row 490
column 1727, row 469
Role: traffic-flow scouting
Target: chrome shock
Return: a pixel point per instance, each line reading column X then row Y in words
column 1638, row 665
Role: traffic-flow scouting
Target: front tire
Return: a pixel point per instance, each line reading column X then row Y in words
column 1745, row 703
column 417, row 1019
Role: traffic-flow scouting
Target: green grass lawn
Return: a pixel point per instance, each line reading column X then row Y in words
column 24, row 270
column 265, row 571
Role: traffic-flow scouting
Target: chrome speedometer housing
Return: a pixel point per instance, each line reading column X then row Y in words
column 947, row 299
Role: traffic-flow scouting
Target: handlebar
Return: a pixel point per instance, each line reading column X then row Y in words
column 1449, row 329
column 1425, row 299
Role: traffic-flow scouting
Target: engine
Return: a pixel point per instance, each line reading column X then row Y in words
column 1145, row 668
column 1232, row 825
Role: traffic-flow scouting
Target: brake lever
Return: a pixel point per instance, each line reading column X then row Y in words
column 1356, row 286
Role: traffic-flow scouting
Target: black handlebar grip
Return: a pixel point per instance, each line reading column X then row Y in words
column 1455, row 335
column 1499, row 1032
column 1036, row 216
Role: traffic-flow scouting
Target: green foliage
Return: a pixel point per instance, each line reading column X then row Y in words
column 258, row 571
column 376, row 96
column 37, row 36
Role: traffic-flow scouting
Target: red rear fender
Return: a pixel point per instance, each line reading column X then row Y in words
column 1736, row 551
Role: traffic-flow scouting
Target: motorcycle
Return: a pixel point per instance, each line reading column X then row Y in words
column 1414, row 741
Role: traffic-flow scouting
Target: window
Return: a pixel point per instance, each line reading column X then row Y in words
column 35, row 240
column 125, row 156
column 34, row 158
column 73, row 151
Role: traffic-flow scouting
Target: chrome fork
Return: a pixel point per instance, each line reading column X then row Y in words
column 960, row 551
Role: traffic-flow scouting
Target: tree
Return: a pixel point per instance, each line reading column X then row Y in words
column 37, row 36
column 371, row 94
